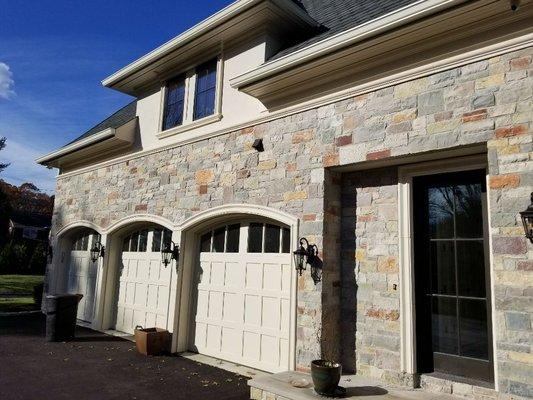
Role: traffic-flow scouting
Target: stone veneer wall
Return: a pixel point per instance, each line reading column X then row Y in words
column 485, row 102
column 370, row 290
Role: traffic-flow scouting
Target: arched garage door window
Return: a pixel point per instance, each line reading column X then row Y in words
column 243, row 283
column 261, row 238
column 143, row 281
column 81, row 278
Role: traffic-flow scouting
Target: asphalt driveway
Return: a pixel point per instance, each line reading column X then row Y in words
column 102, row 367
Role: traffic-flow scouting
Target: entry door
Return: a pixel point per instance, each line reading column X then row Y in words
column 82, row 275
column 144, row 282
column 452, row 278
column 242, row 311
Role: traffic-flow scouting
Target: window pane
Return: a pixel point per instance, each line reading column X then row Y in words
column 167, row 239
column 156, row 240
column 444, row 325
column 219, row 237
column 134, row 245
column 442, row 267
column 469, row 214
column 174, row 103
column 441, row 212
column 85, row 243
column 232, row 245
column 205, row 243
column 272, row 233
column 473, row 325
column 286, row 244
column 471, row 268
column 143, row 241
column 126, row 244
column 204, row 99
column 255, row 238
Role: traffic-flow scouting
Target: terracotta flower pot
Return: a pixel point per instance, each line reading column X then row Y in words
column 326, row 376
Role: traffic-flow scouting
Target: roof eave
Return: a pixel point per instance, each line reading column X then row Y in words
column 98, row 137
column 387, row 22
column 198, row 30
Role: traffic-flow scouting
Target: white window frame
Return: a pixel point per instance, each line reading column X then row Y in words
column 406, row 250
column 188, row 105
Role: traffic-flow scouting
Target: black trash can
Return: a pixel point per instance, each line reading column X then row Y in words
column 61, row 312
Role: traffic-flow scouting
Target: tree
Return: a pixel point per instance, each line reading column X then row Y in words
column 2, row 146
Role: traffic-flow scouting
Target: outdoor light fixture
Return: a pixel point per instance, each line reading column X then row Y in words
column 97, row 251
column 170, row 252
column 527, row 220
column 306, row 254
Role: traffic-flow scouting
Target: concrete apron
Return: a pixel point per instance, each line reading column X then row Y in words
column 279, row 387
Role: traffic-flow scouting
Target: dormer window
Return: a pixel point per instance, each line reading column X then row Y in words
column 174, row 103
column 205, row 93
column 191, row 99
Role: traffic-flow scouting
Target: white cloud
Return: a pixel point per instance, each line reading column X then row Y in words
column 6, row 81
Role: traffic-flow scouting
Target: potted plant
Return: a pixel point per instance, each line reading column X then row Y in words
column 326, row 374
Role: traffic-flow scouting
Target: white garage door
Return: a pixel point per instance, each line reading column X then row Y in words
column 82, row 274
column 243, row 295
column 144, row 282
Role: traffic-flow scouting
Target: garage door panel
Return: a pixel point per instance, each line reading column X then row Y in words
column 272, row 277
column 232, row 311
column 285, row 316
column 251, row 345
column 140, row 294
column 270, row 312
column 213, row 337
column 214, row 310
column 231, row 341
column 144, row 286
column 269, row 349
column 254, row 276
column 286, row 278
column 234, row 276
column 81, row 279
column 252, row 310
column 216, row 277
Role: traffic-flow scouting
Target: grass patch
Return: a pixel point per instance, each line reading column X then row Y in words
column 16, row 304
column 19, row 284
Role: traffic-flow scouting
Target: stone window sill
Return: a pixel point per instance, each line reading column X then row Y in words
column 192, row 125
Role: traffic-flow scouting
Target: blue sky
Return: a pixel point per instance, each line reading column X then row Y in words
column 53, row 55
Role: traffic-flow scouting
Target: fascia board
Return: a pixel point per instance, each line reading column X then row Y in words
column 103, row 135
column 372, row 28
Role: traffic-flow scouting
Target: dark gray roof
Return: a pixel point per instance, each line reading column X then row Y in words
column 125, row 114
column 336, row 16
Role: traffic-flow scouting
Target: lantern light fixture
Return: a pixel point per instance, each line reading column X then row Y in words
column 304, row 255
column 170, row 252
column 97, row 251
column 527, row 220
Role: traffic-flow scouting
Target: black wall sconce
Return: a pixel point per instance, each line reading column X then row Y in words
column 97, row 251
column 170, row 252
column 527, row 220
column 306, row 254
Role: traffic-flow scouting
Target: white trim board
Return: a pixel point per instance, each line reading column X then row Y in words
column 406, row 250
column 432, row 68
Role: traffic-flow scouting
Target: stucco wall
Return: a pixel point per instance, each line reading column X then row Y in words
column 485, row 102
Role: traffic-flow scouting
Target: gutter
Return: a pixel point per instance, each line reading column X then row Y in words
column 198, row 30
column 98, row 137
column 387, row 22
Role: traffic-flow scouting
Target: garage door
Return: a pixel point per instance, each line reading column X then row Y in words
column 82, row 274
column 242, row 310
column 144, row 282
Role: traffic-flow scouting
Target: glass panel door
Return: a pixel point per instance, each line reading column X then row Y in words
column 453, row 324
